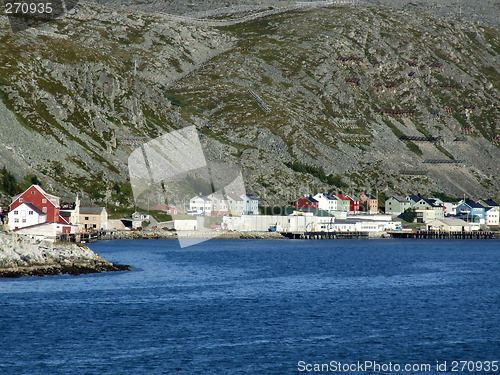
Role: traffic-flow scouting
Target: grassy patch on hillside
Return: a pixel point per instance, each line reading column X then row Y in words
column 317, row 172
column 492, row 36
column 175, row 100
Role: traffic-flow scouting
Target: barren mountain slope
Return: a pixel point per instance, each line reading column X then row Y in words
column 344, row 86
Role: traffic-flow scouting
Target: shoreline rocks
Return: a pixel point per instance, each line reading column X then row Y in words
column 24, row 256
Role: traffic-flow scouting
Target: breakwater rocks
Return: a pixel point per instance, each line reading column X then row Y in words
column 158, row 234
column 22, row 256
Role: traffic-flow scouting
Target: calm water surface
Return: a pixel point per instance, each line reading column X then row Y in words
column 257, row 307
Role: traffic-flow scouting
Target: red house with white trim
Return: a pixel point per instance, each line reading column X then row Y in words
column 47, row 204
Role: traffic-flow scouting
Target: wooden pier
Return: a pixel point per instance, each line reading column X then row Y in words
column 84, row 237
column 474, row 235
column 323, row 235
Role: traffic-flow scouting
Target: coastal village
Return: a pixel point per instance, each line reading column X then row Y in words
column 38, row 214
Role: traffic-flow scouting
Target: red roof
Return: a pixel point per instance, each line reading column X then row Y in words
column 343, row 197
column 62, row 220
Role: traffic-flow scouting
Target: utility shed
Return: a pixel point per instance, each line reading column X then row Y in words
column 451, row 225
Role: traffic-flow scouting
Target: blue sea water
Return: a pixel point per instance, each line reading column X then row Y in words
column 259, row 307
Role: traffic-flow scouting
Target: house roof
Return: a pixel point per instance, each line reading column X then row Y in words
column 399, row 198
column 91, row 210
column 435, row 201
column 218, row 196
column 414, row 198
column 472, row 204
column 343, row 197
column 34, row 208
column 451, row 221
column 34, row 225
column 251, row 196
column 310, row 199
column 369, row 196
column 62, row 220
column 202, row 197
column 40, row 225
column 234, row 197
column 491, row 203
column 328, row 196
column 45, row 193
column 353, row 197
column 52, row 198
column 430, row 202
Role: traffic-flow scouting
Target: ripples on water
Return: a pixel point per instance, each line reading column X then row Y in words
column 256, row 307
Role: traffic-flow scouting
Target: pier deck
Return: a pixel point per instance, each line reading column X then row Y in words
column 323, row 235
column 475, row 235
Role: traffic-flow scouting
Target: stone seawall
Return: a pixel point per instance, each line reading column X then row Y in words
column 23, row 256
column 159, row 234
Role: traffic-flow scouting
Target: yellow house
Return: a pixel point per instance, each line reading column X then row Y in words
column 93, row 218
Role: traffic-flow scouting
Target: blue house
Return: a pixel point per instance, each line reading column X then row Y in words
column 471, row 211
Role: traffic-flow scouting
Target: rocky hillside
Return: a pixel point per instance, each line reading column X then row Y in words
column 359, row 97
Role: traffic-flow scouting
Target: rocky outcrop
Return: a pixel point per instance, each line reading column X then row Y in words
column 22, row 256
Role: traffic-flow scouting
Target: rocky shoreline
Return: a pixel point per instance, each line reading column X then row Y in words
column 23, row 256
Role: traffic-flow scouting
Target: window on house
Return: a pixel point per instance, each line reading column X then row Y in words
column 30, row 212
column 16, row 220
column 95, row 226
column 24, row 220
column 44, row 210
column 32, row 192
column 44, row 200
column 86, row 218
column 21, row 200
column 16, row 212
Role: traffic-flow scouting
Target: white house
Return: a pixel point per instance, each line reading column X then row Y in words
column 201, row 205
column 450, row 208
column 427, row 210
column 492, row 216
column 140, row 215
column 250, row 204
column 26, row 215
column 327, row 202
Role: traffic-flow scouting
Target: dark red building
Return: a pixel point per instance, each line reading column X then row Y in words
column 47, row 203
column 355, row 202
column 305, row 202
